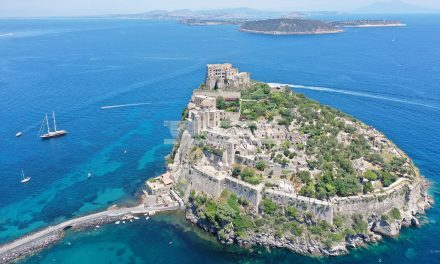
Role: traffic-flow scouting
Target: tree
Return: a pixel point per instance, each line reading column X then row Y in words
column 236, row 170
column 260, row 165
column 368, row 187
column 370, row 175
column 346, row 186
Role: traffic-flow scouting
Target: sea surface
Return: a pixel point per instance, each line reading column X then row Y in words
column 387, row 77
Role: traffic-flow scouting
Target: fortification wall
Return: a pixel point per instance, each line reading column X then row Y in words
column 225, row 94
column 202, row 182
column 244, row 190
column 403, row 197
column 321, row 209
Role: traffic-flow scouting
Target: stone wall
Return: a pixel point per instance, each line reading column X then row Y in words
column 202, row 182
column 403, row 197
column 320, row 209
column 244, row 190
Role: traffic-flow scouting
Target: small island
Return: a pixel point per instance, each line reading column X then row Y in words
column 260, row 164
column 368, row 23
column 289, row 27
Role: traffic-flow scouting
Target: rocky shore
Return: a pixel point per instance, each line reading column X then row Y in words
column 306, row 245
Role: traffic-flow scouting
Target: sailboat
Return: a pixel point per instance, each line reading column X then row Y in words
column 51, row 134
column 24, row 179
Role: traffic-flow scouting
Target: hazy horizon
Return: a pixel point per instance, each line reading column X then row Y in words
column 42, row 8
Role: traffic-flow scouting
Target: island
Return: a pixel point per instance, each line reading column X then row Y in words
column 284, row 26
column 260, row 164
column 368, row 23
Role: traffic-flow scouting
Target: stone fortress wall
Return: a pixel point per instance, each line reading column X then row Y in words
column 223, row 80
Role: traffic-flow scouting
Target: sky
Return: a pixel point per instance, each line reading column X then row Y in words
column 23, row 8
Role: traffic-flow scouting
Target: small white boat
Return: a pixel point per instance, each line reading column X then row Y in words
column 125, row 151
column 117, row 222
column 123, row 222
column 147, row 218
column 89, row 175
column 19, row 134
column 136, row 217
column 23, row 178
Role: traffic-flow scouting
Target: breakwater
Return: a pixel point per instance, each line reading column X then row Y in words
column 34, row 242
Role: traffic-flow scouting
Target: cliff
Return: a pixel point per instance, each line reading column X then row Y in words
column 267, row 166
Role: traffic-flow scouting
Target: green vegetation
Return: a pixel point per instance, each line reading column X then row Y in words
column 359, row 225
column 225, row 123
column 288, row 26
column 370, row 175
column 249, row 175
column 395, row 214
column 260, row 165
column 268, row 206
column 229, row 105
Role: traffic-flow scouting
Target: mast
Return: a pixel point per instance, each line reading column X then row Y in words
column 54, row 122
column 22, row 174
column 47, row 122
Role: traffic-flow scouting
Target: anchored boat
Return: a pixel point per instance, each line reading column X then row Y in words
column 51, row 134
column 23, row 178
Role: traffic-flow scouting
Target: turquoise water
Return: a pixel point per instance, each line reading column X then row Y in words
column 387, row 77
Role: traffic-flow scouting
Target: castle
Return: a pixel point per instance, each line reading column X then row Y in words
column 225, row 77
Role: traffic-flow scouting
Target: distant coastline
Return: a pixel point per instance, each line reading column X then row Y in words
column 276, row 33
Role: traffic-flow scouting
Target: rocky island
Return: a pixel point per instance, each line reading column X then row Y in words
column 284, row 26
column 260, row 164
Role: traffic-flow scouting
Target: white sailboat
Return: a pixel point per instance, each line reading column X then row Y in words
column 23, row 178
column 51, row 134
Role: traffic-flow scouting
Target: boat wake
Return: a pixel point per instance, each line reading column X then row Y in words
column 123, row 105
column 356, row 93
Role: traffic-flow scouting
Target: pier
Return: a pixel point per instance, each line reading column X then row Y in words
column 31, row 243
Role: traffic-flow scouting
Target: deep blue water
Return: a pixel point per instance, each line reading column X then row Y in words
column 387, row 77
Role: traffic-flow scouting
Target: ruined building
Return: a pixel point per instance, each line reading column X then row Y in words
column 224, row 77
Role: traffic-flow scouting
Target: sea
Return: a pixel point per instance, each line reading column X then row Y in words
column 119, row 87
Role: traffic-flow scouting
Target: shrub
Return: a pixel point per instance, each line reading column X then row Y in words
column 225, row 124
column 368, row 187
column 359, row 225
column 370, row 175
column 395, row 213
column 338, row 221
column 269, row 207
column 291, row 211
column 260, row 165
column 236, row 170
column 248, row 175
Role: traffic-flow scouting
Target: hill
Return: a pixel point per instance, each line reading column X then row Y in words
column 288, row 27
